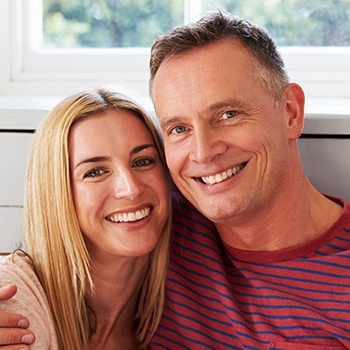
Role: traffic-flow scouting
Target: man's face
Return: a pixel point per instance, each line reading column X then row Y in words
column 225, row 140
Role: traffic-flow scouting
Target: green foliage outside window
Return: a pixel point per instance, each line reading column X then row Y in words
column 296, row 22
column 136, row 23
column 108, row 23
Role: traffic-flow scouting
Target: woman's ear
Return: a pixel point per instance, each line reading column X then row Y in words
column 294, row 100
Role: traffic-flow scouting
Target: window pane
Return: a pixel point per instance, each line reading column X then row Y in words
column 112, row 23
column 295, row 22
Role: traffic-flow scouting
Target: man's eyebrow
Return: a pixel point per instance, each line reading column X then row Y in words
column 171, row 121
column 104, row 159
column 230, row 103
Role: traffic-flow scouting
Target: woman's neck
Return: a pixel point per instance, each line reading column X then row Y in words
column 115, row 301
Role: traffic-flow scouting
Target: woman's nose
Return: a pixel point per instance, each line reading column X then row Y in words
column 127, row 184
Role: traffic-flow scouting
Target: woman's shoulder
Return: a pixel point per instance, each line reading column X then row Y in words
column 17, row 268
column 30, row 299
column 16, row 265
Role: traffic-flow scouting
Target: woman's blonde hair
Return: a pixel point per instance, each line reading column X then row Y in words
column 53, row 237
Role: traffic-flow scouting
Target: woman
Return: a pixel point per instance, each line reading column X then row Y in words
column 97, row 227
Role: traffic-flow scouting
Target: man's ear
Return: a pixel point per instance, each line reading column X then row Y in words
column 294, row 100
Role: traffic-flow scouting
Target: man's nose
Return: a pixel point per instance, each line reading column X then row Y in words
column 206, row 144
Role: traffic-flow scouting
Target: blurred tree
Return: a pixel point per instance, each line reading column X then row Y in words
column 296, row 22
column 135, row 23
column 108, row 23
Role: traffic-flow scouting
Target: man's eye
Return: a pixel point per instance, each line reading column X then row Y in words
column 178, row 130
column 229, row 115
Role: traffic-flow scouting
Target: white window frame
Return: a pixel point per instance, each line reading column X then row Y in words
column 323, row 72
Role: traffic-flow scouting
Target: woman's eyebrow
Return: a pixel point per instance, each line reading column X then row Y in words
column 92, row 160
column 104, row 159
column 142, row 147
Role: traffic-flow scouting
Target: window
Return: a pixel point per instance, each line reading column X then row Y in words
column 83, row 52
column 101, row 24
column 135, row 23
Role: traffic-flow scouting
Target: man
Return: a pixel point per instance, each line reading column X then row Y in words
column 275, row 274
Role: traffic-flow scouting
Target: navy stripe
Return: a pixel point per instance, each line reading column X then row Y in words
column 198, row 274
column 296, row 298
column 242, row 313
column 194, row 301
column 201, row 255
column 205, row 335
column 194, row 243
column 306, row 289
column 194, row 229
column 304, row 270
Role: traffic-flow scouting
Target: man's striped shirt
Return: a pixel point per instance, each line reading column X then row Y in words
column 221, row 298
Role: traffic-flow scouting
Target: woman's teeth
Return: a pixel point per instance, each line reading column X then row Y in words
column 132, row 216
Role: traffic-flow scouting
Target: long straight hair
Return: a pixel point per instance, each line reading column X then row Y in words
column 53, row 237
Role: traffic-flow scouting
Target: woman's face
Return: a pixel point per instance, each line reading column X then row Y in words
column 119, row 186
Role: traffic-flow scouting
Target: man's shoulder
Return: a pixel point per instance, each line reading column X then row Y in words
column 183, row 210
column 190, row 225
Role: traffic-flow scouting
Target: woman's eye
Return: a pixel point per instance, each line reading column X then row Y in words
column 94, row 173
column 142, row 162
column 229, row 115
column 178, row 130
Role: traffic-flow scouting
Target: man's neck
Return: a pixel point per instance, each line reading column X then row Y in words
column 297, row 220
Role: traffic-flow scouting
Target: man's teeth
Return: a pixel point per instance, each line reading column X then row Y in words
column 126, row 217
column 212, row 179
